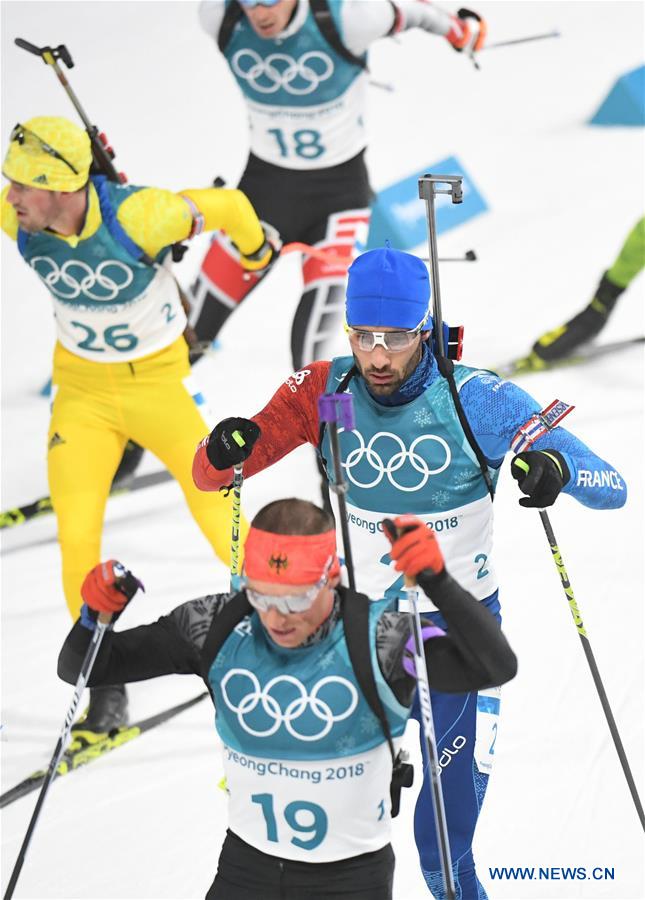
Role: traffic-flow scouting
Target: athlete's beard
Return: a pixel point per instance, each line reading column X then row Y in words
column 399, row 376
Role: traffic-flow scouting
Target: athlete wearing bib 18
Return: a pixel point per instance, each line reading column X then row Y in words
column 301, row 68
column 312, row 688
column 409, row 454
column 121, row 367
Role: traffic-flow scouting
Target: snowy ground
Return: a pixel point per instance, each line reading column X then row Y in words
column 148, row 821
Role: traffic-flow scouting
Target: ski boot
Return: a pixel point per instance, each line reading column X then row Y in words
column 582, row 328
column 107, row 712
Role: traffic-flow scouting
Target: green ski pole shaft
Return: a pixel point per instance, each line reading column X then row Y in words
column 595, row 674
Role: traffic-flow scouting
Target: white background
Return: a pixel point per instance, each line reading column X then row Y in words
column 148, row 821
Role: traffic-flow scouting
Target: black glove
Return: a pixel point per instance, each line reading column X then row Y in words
column 223, row 450
column 541, row 475
column 267, row 253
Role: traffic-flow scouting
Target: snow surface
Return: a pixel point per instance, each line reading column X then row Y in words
column 148, row 821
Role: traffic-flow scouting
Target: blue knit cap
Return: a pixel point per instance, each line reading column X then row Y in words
column 387, row 287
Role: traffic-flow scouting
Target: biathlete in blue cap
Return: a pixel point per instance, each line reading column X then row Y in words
column 408, row 454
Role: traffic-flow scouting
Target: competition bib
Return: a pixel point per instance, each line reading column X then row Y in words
column 306, row 103
column 465, row 537
column 311, row 811
column 91, row 322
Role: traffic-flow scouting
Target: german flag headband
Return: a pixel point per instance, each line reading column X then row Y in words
column 290, row 558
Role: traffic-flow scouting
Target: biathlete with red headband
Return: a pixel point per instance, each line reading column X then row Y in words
column 408, row 453
column 309, row 743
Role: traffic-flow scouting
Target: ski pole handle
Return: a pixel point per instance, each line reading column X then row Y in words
column 337, row 408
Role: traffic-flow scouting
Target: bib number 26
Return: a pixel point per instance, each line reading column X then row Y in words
column 115, row 337
column 307, row 819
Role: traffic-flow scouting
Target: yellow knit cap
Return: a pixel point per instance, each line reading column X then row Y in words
column 30, row 160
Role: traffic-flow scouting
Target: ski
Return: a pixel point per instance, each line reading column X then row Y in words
column 85, row 753
column 21, row 514
column 527, row 365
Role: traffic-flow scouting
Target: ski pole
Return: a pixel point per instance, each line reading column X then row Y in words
column 238, row 479
column 522, row 40
column 586, row 646
column 333, row 260
column 334, row 409
column 102, row 625
column 423, row 687
column 468, row 256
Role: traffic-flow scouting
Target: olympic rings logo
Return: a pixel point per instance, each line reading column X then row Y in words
column 294, row 709
column 281, row 70
column 396, row 461
column 57, row 279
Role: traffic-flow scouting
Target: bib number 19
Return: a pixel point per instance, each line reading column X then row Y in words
column 305, row 143
column 300, row 815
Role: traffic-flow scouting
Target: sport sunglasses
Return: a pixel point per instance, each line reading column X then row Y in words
column 249, row 4
column 392, row 341
column 27, row 138
column 287, row 603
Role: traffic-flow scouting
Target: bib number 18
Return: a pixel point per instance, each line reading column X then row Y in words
column 300, row 815
column 305, row 143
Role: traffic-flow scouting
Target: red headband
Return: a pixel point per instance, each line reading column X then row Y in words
column 290, row 558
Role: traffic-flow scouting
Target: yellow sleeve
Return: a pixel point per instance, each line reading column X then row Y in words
column 155, row 219
column 9, row 217
column 232, row 212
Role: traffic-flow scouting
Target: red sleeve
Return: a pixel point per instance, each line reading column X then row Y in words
column 289, row 419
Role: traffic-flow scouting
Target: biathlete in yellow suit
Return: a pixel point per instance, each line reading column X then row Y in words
column 121, row 367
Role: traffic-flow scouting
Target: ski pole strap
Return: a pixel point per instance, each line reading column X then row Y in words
column 427, row 632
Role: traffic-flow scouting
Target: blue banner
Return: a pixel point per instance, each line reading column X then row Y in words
column 398, row 214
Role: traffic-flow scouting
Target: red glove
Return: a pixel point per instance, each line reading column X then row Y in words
column 109, row 587
column 459, row 34
column 416, row 549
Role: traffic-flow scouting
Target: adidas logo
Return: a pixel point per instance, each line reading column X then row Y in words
column 40, row 179
column 55, row 440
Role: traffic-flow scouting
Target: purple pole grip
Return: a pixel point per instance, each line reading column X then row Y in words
column 427, row 632
column 337, row 408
